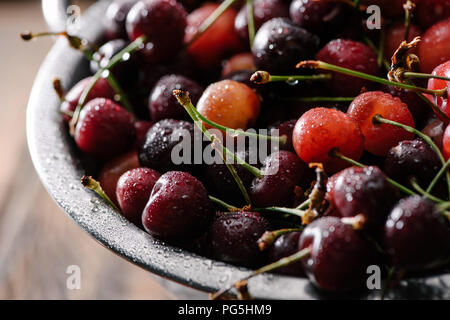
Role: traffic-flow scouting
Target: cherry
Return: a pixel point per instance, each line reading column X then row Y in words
column 162, row 22
column 133, row 191
column 416, row 234
column 263, row 10
column 412, row 159
column 230, row 103
column 318, row 16
column 238, row 62
column 364, row 191
column 110, row 173
column 442, row 70
column 279, row 45
column 162, row 103
column 446, row 143
column 434, row 48
column 435, row 130
column 395, row 34
column 286, row 128
column 101, row 89
column 234, row 235
column 115, row 16
column 320, row 130
column 331, row 183
column 126, row 72
column 217, row 41
column 104, row 129
column 339, row 255
column 379, row 138
column 156, row 150
column 429, row 12
column 286, row 245
column 282, row 171
column 142, row 128
column 178, row 208
column 351, row 55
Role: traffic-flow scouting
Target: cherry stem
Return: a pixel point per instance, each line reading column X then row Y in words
column 409, row 7
column 210, row 20
column 379, row 119
column 269, row 237
column 335, row 153
column 270, row 267
column 409, row 74
column 222, row 203
column 262, row 77
column 322, row 99
column 316, row 64
column 59, row 89
column 357, row 222
column 303, row 205
column 251, row 22
column 369, row 42
column 380, row 52
column 291, row 211
column 95, row 186
column 185, row 101
column 282, row 140
column 438, row 176
column 419, row 189
column 132, row 47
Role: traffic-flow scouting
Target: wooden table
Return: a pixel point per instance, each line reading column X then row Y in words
column 37, row 240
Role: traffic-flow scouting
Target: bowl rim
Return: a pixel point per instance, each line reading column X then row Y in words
column 56, row 162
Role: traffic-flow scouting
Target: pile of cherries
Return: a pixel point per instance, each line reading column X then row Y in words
column 362, row 169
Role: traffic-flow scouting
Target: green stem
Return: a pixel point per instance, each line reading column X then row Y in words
column 409, row 74
column 369, row 42
column 122, row 96
column 95, row 186
column 438, row 176
column 132, row 47
column 263, row 77
column 303, row 205
column 380, row 52
column 379, row 119
column 210, row 20
column 292, row 211
column 270, row 267
column 269, row 237
column 227, row 206
column 282, row 140
column 419, row 189
column 251, row 22
column 330, row 67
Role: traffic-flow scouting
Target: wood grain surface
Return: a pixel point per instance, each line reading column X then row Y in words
column 38, row 241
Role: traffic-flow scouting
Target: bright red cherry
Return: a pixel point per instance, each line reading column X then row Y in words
column 434, row 48
column 442, row 70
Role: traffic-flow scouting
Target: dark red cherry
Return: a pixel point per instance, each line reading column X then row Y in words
column 395, row 34
column 178, row 208
column 133, row 191
column 434, row 48
column 234, row 237
column 110, row 173
column 162, row 22
column 101, row 89
column 412, row 159
column 282, row 172
column 286, row 129
column 416, row 234
column 435, row 130
column 429, row 12
column 115, row 17
column 279, row 45
column 142, row 128
column 286, row 245
column 339, row 255
column 162, row 103
column 351, row 55
column 263, row 10
column 104, row 129
column 364, row 191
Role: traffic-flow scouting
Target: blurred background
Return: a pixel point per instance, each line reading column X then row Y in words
column 37, row 240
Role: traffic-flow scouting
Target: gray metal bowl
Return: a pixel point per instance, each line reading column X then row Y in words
column 56, row 161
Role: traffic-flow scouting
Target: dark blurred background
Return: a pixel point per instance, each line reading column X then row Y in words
column 37, row 240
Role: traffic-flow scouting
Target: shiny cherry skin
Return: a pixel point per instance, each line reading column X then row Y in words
column 352, row 55
column 435, row 130
column 162, row 103
column 339, row 255
column 442, row 70
column 215, row 43
column 279, row 45
column 142, row 128
column 238, row 62
column 416, row 234
column 133, row 191
column 446, row 143
column 282, row 171
column 379, row 138
column 110, row 173
column 395, row 34
column 429, row 12
column 320, row 130
column 101, row 89
column 104, row 129
column 285, row 128
column 115, row 17
column 434, row 49
column 230, row 103
column 178, row 208
column 284, row 246
column 162, row 22
column 234, row 237
column 364, row 191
